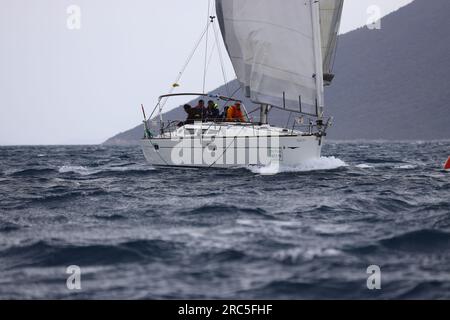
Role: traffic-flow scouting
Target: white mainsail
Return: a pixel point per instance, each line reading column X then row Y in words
column 271, row 46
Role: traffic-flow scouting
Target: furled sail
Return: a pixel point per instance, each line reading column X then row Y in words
column 271, row 46
column 330, row 18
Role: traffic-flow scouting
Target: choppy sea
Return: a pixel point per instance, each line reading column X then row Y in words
column 311, row 232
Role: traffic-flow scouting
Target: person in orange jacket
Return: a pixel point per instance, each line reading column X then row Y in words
column 235, row 114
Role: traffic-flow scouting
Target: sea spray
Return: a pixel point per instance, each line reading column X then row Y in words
column 323, row 163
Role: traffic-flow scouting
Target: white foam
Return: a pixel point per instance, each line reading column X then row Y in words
column 323, row 163
column 76, row 169
column 88, row 171
column 296, row 254
column 406, row 167
column 129, row 168
column 364, row 166
column 332, row 228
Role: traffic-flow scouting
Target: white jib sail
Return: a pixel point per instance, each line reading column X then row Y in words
column 330, row 20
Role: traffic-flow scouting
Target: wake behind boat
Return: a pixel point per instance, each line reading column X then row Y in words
column 276, row 51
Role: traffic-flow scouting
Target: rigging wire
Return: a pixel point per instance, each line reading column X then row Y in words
column 205, row 33
column 208, row 21
column 183, row 69
column 222, row 65
column 228, row 147
column 232, row 95
column 191, row 55
column 211, row 55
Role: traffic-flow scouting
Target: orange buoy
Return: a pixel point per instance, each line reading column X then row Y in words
column 447, row 165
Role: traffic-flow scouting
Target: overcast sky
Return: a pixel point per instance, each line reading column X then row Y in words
column 62, row 86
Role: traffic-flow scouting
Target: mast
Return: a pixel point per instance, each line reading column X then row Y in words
column 315, row 11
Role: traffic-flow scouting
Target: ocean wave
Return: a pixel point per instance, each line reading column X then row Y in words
column 105, row 171
column 443, row 223
column 118, row 172
column 382, row 161
column 222, row 256
column 443, row 206
column 427, row 290
column 64, row 196
column 363, row 250
column 286, row 289
column 215, row 209
column 332, row 229
column 364, row 166
column 112, row 217
column 321, row 287
column 76, row 169
column 390, row 204
column 6, row 227
column 419, row 241
column 296, row 255
column 122, row 166
column 47, row 254
column 32, row 172
column 426, row 241
column 324, row 163
column 406, row 167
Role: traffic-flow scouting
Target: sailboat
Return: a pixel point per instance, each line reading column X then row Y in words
column 282, row 53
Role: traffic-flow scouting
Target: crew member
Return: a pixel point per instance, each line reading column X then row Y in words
column 192, row 115
column 234, row 113
column 212, row 112
column 200, row 108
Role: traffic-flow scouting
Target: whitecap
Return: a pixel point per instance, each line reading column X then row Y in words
column 364, row 166
column 332, row 228
column 406, row 167
column 76, row 169
column 130, row 168
column 296, row 254
column 321, row 252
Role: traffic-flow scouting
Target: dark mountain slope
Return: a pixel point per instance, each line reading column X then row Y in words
column 393, row 83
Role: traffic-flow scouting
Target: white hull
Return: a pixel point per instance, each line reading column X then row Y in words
column 231, row 145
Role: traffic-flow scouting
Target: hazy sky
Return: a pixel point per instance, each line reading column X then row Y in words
column 62, row 86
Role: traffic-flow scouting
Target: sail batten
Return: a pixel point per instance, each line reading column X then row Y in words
column 271, row 46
